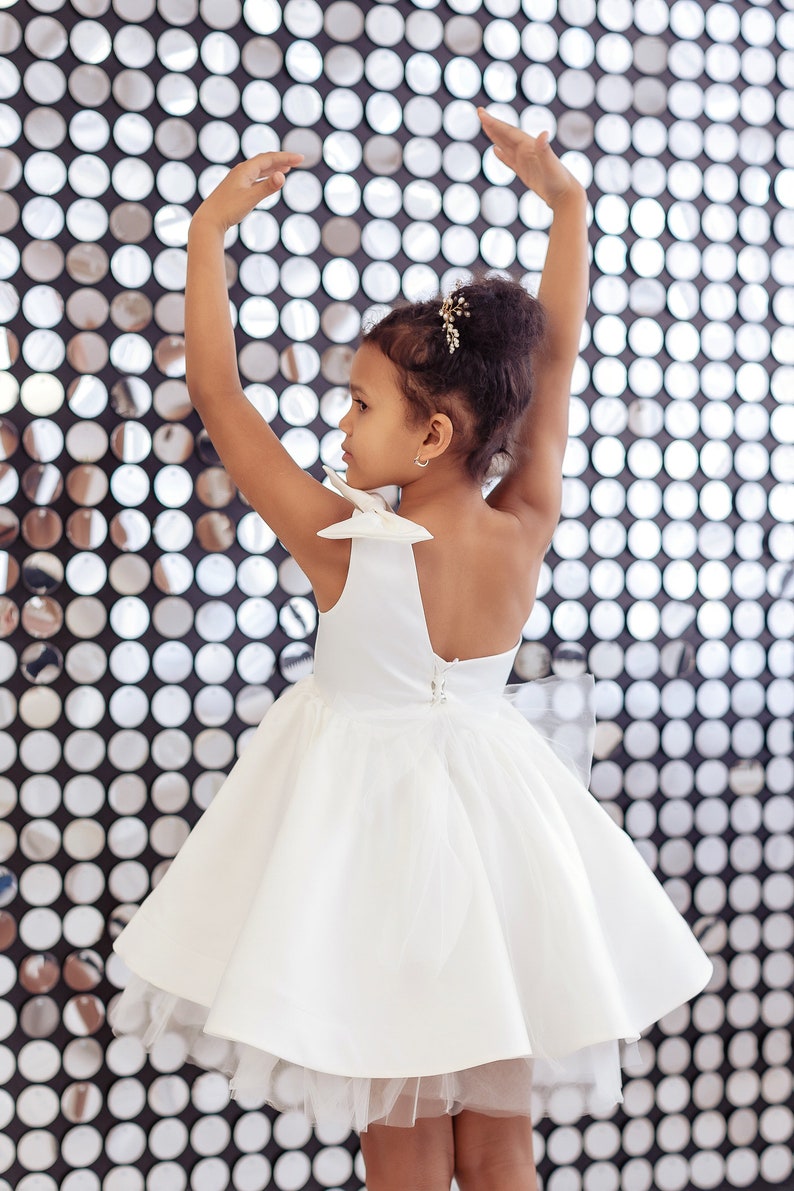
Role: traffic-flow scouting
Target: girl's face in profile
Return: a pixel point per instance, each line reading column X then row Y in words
column 380, row 442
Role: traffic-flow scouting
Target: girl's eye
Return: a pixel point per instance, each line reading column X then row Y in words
column 362, row 405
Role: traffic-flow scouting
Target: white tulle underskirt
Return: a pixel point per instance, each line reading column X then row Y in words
column 588, row 1081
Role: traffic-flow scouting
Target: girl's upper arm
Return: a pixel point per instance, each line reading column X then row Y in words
column 532, row 488
column 293, row 503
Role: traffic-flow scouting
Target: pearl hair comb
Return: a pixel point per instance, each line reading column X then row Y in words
column 451, row 308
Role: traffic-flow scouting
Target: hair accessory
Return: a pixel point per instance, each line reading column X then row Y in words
column 418, row 464
column 450, row 308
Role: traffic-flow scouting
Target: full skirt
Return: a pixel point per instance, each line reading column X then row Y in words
column 385, row 917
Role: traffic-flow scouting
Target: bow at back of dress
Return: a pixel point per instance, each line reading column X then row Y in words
column 373, row 517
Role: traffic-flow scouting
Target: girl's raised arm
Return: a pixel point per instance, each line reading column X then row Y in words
column 532, row 489
column 292, row 502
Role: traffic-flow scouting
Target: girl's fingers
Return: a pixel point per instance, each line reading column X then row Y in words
column 276, row 160
column 266, row 164
column 496, row 127
column 271, row 177
column 507, row 136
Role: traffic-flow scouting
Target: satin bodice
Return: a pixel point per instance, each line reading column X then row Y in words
column 373, row 649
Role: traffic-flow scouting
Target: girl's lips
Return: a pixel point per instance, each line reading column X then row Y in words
column 346, row 455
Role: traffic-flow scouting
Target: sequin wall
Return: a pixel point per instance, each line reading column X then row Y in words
column 148, row 616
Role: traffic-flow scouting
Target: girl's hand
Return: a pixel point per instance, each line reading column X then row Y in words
column 532, row 159
column 246, row 185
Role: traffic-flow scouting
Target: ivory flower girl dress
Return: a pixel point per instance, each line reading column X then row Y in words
column 404, row 900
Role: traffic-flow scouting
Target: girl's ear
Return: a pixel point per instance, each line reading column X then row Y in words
column 438, row 437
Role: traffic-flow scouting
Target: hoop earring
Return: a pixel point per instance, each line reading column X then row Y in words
column 418, row 464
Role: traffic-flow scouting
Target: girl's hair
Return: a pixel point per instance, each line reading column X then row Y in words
column 485, row 385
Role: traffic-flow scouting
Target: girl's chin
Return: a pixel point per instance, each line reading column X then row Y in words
column 352, row 473
column 359, row 477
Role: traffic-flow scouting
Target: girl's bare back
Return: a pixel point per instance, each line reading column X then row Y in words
column 478, row 585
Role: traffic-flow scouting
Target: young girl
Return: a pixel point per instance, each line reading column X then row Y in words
column 403, row 910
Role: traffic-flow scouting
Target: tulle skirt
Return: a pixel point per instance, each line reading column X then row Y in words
column 171, row 1028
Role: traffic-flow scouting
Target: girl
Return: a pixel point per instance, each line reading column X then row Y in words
column 403, row 910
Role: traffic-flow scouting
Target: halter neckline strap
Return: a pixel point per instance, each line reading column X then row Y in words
column 373, row 516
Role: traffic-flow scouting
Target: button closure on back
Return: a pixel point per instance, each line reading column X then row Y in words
column 438, row 683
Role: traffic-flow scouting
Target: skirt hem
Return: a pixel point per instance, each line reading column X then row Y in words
column 588, row 1081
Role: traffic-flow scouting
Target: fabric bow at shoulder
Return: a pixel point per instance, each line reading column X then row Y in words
column 373, row 517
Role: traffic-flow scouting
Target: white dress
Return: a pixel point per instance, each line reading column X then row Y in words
column 404, row 900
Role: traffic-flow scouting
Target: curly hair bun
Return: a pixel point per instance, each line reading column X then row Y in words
column 504, row 320
column 485, row 383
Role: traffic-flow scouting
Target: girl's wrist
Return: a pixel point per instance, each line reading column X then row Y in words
column 204, row 224
column 574, row 196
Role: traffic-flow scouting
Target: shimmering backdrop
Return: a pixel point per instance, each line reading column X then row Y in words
column 149, row 616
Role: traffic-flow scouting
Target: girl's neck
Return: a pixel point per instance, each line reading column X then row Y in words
column 445, row 489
